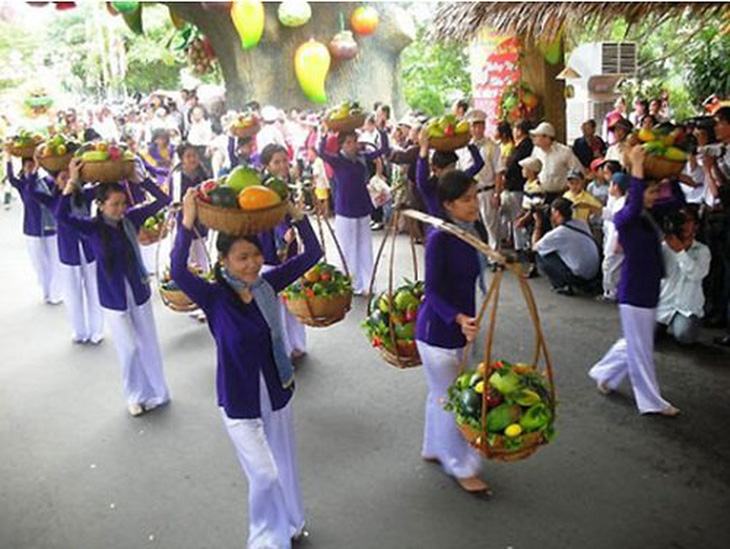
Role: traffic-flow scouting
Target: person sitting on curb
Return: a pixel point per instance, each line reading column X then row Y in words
column 686, row 264
column 568, row 255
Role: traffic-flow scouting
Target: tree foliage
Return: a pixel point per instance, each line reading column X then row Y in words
column 709, row 66
column 434, row 74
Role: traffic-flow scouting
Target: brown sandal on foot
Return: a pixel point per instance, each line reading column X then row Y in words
column 474, row 485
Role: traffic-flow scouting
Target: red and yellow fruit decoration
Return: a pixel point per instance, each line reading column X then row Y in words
column 248, row 18
column 312, row 64
column 518, row 101
column 364, row 20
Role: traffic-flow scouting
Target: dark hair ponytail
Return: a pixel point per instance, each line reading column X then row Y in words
column 269, row 151
column 453, row 185
column 223, row 245
column 101, row 195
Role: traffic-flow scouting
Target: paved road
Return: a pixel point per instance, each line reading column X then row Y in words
column 77, row 472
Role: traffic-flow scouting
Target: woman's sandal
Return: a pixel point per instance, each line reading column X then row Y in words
column 475, row 485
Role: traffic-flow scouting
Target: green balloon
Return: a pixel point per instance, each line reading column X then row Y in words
column 134, row 20
column 125, row 7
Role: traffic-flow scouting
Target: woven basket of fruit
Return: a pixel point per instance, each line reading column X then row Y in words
column 657, row 167
column 322, row 297
column 154, row 229
column 346, row 117
column 175, row 299
column 666, row 149
column 23, row 145
column 448, row 133
column 56, row 153
column 243, row 204
column 245, row 126
column 105, row 162
column 506, row 411
column 391, row 322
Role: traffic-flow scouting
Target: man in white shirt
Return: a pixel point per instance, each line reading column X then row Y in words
column 489, row 178
column 557, row 160
column 270, row 132
column 686, row 264
column 568, row 255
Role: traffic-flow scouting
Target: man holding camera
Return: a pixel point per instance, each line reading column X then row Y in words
column 686, row 264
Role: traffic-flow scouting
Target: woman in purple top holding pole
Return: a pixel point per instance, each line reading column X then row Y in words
column 638, row 295
column 124, row 289
column 353, row 204
column 255, row 377
column 39, row 228
column 78, row 270
column 445, row 323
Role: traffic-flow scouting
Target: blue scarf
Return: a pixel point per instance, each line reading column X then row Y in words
column 48, row 222
column 268, row 304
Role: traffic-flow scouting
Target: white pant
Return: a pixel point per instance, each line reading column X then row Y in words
column 266, row 449
column 295, row 336
column 198, row 255
column 81, row 296
column 442, row 439
column 611, row 273
column 135, row 337
column 510, row 211
column 633, row 354
column 356, row 239
column 149, row 257
column 43, row 251
column 490, row 217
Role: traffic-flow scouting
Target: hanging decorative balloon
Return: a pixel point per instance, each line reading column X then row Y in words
column 343, row 46
column 364, row 20
column 552, row 50
column 294, row 13
column 111, row 9
column 62, row 6
column 311, row 64
column 133, row 19
column 37, row 4
column 125, row 7
column 216, row 6
column 248, row 18
column 177, row 21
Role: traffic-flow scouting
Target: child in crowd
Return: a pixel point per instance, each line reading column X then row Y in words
column 533, row 200
column 613, row 255
column 599, row 185
column 584, row 204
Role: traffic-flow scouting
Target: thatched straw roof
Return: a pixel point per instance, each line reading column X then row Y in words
column 543, row 20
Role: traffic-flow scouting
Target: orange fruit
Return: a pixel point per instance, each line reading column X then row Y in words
column 257, row 197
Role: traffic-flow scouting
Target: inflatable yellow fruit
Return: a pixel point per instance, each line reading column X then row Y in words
column 311, row 64
column 257, row 197
column 248, row 18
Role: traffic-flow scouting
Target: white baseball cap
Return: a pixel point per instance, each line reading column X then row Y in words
column 544, row 128
column 269, row 113
column 476, row 115
column 532, row 163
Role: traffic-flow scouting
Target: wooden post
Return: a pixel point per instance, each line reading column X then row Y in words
column 540, row 75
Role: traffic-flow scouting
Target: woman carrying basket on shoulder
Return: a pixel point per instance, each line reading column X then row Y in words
column 445, row 323
column 255, row 376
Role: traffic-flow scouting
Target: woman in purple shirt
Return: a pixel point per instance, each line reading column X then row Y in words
column 78, row 270
column 124, row 289
column 638, row 295
column 353, row 204
column 39, row 228
column 255, row 377
column 445, row 323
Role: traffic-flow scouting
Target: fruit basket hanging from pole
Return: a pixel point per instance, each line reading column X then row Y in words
column 505, row 410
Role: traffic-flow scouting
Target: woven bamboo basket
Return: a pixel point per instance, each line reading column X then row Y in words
column 396, row 357
column 147, row 237
column 656, row 167
column 27, row 151
column 451, row 143
column 247, row 131
column 109, row 171
column 497, row 449
column 319, row 311
column 237, row 222
column 347, row 124
column 55, row 164
column 177, row 300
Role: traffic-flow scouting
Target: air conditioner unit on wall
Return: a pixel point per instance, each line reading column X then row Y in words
column 618, row 58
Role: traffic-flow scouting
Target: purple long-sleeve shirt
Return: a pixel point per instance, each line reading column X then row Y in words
column 109, row 242
column 272, row 241
column 452, row 268
column 242, row 336
column 70, row 244
column 428, row 186
column 643, row 266
column 351, row 178
column 32, row 212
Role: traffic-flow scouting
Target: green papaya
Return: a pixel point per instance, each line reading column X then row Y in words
column 504, row 415
column 505, row 382
column 536, row 417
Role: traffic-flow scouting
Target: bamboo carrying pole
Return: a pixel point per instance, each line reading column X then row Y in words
column 481, row 440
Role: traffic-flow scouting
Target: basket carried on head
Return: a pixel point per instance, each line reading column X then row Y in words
column 55, row 164
column 451, row 143
column 657, row 167
column 237, row 222
column 505, row 411
column 243, row 132
column 346, row 124
column 390, row 329
column 108, row 171
column 323, row 310
column 27, row 151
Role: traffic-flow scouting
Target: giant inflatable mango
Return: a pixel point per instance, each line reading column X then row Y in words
column 312, row 63
column 248, row 18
